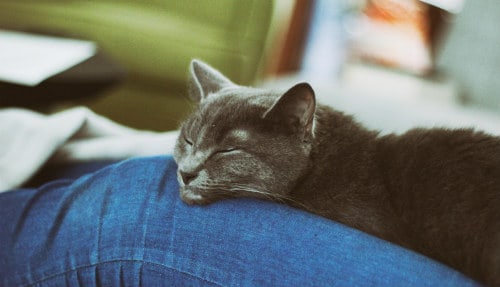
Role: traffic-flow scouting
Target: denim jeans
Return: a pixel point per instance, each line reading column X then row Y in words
column 124, row 225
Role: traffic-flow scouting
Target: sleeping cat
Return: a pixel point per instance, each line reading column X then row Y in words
column 435, row 191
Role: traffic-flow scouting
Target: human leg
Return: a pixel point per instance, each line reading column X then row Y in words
column 125, row 225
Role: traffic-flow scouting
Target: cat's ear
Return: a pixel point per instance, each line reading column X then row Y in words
column 295, row 108
column 205, row 80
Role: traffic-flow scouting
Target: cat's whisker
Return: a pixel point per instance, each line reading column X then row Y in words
column 257, row 191
column 224, row 188
column 278, row 197
column 253, row 191
column 229, row 187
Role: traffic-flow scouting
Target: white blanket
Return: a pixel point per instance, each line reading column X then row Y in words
column 28, row 140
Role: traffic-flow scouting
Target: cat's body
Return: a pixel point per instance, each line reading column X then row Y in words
column 434, row 191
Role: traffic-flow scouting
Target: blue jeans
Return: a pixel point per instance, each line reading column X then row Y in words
column 124, row 225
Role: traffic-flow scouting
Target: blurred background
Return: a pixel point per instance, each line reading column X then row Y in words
column 393, row 63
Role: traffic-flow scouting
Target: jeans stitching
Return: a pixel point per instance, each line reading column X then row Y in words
column 121, row 260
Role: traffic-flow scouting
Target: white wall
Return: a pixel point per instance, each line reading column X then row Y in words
column 471, row 53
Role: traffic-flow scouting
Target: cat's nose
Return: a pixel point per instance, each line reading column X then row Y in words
column 187, row 177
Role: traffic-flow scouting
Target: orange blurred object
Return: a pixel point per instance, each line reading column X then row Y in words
column 398, row 34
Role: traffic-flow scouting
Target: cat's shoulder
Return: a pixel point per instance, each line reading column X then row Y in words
column 448, row 136
column 443, row 143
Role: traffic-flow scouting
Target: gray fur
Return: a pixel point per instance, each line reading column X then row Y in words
column 434, row 191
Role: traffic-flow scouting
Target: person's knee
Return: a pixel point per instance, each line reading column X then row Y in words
column 102, row 217
column 116, row 206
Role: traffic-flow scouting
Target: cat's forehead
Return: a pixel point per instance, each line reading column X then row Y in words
column 237, row 102
column 248, row 96
column 230, row 114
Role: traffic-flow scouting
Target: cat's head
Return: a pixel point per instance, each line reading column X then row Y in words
column 242, row 141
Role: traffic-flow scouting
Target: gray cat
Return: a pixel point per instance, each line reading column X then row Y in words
column 435, row 191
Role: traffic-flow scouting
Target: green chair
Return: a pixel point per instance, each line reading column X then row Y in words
column 154, row 42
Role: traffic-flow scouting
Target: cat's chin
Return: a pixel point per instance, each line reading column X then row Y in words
column 192, row 197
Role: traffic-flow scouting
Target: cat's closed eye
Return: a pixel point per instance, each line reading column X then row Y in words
column 228, row 150
column 188, row 141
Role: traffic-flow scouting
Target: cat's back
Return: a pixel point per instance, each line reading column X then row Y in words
column 445, row 185
column 441, row 156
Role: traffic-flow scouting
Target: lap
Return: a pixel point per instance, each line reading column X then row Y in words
column 126, row 224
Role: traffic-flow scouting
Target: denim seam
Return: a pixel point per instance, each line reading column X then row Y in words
column 121, row 260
